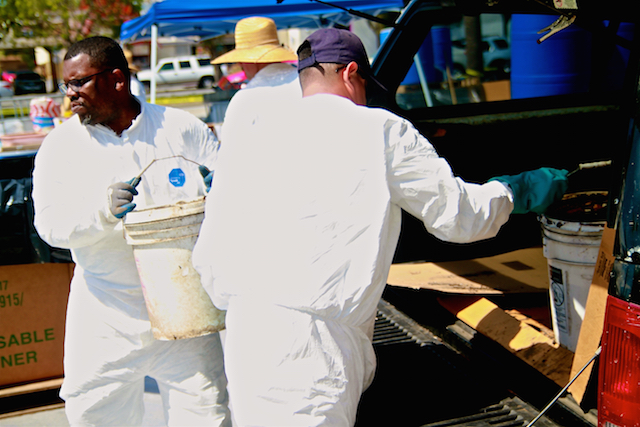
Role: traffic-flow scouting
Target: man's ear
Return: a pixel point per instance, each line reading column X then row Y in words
column 350, row 70
column 348, row 74
column 119, row 78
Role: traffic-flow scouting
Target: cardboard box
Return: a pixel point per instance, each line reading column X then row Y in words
column 463, row 286
column 497, row 91
column 593, row 323
column 521, row 271
column 33, row 304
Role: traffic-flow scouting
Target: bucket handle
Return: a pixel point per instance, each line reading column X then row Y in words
column 138, row 177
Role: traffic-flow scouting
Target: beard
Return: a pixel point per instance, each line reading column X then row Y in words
column 87, row 120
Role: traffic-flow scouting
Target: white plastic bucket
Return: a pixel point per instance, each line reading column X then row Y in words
column 571, row 249
column 163, row 238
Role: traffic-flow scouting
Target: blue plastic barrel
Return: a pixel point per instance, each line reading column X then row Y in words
column 426, row 55
column 617, row 59
column 559, row 65
column 442, row 55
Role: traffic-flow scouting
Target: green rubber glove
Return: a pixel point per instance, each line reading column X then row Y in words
column 535, row 190
column 121, row 197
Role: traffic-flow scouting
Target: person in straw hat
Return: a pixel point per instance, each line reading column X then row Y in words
column 270, row 67
column 137, row 88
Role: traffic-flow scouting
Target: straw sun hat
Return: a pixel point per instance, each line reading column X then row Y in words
column 129, row 55
column 256, row 42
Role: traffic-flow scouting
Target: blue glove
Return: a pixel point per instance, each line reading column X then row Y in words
column 534, row 191
column 121, row 197
column 207, row 175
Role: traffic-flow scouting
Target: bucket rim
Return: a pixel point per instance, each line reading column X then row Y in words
column 561, row 226
column 146, row 232
column 132, row 226
column 588, row 239
column 548, row 216
column 163, row 212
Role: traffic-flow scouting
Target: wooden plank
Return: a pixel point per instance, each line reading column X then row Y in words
column 32, row 410
column 531, row 342
column 31, row 387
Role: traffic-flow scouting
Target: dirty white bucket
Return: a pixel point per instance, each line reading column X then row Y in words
column 163, row 238
column 571, row 234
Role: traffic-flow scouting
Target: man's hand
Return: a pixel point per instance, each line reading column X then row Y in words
column 536, row 190
column 121, row 197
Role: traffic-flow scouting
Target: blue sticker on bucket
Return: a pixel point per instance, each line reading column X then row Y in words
column 177, row 177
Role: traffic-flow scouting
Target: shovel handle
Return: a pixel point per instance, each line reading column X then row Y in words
column 591, row 165
column 594, row 165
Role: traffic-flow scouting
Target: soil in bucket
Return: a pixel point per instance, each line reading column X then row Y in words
column 163, row 238
column 571, row 234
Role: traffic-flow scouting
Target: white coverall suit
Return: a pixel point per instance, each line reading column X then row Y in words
column 300, row 229
column 109, row 346
column 273, row 86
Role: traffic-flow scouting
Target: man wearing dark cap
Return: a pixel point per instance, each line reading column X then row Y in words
column 300, row 230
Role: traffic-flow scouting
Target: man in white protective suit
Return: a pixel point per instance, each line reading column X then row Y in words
column 82, row 188
column 272, row 80
column 300, row 229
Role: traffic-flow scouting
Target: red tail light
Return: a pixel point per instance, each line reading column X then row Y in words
column 619, row 375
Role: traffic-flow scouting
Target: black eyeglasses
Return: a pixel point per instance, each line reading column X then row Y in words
column 76, row 84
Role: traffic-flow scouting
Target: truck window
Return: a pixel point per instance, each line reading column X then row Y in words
column 495, row 57
column 204, row 62
column 184, row 65
column 167, row 67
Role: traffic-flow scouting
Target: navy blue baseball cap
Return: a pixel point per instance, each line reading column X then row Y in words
column 336, row 46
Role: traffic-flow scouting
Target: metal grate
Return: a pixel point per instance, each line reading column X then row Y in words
column 511, row 412
column 498, row 415
column 387, row 332
column 393, row 327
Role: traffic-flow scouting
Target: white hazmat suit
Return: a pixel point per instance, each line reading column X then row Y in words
column 137, row 89
column 109, row 347
column 300, row 229
column 274, row 85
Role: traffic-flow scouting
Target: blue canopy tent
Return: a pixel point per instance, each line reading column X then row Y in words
column 210, row 18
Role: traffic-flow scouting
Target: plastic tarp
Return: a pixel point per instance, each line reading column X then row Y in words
column 210, row 18
column 19, row 241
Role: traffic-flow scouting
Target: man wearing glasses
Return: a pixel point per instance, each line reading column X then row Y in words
column 82, row 189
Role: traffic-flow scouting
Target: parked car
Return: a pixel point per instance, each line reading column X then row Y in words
column 185, row 70
column 9, row 76
column 496, row 56
column 28, row 82
column 6, row 89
